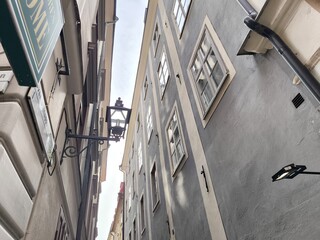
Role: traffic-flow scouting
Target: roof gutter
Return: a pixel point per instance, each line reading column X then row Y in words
column 301, row 70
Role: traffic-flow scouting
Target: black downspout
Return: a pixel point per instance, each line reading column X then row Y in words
column 302, row 71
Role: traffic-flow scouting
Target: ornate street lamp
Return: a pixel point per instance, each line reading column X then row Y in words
column 117, row 118
column 290, row 171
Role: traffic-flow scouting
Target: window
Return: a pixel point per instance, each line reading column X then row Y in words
column 163, row 73
column 142, row 223
column 138, row 123
column 208, row 71
column 129, row 199
column 145, row 88
column 156, row 38
column 133, row 185
column 149, row 122
column 180, row 11
column 140, row 156
column 154, row 186
column 135, row 236
column 62, row 230
column 176, row 145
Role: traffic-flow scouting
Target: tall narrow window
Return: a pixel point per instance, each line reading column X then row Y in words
column 154, row 187
column 145, row 88
column 208, row 71
column 149, row 122
column 163, row 73
column 133, row 185
column 180, row 12
column 140, row 156
column 155, row 38
column 62, row 229
column 135, row 232
column 142, row 222
column 129, row 199
column 176, row 145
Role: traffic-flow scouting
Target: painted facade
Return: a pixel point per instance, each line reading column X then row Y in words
column 44, row 193
column 213, row 119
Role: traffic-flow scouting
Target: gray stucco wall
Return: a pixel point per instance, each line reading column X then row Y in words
column 189, row 219
column 253, row 133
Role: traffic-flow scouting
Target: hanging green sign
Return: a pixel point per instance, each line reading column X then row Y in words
column 29, row 31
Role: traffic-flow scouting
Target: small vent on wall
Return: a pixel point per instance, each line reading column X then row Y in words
column 298, row 100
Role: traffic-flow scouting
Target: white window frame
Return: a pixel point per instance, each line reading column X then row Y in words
column 205, row 61
column 154, row 180
column 173, row 143
column 225, row 64
column 180, row 12
column 163, row 73
column 149, row 122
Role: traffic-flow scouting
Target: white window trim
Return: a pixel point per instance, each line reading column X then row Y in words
column 224, row 58
column 180, row 164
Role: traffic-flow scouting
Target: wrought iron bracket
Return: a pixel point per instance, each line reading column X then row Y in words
column 71, row 151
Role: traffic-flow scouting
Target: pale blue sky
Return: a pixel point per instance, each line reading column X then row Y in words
column 127, row 42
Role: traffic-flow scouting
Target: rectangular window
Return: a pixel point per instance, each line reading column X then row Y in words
column 133, row 185
column 62, row 230
column 208, row 71
column 140, row 156
column 149, row 122
column 154, row 186
column 176, row 144
column 180, row 12
column 163, row 73
column 156, row 38
column 129, row 198
column 135, row 232
column 145, row 88
column 142, row 223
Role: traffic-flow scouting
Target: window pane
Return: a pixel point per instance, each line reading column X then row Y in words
column 202, row 82
column 207, row 96
column 196, row 67
column 175, row 10
column 210, row 62
column 176, row 135
column 217, row 75
column 205, row 45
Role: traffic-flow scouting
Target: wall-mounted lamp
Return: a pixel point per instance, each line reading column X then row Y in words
column 290, row 171
column 117, row 118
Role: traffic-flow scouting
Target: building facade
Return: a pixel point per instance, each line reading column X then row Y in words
column 227, row 93
column 116, row 229
column 47, row 192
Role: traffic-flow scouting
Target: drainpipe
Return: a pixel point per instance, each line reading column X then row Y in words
column 248, row 8
column 303, row 73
